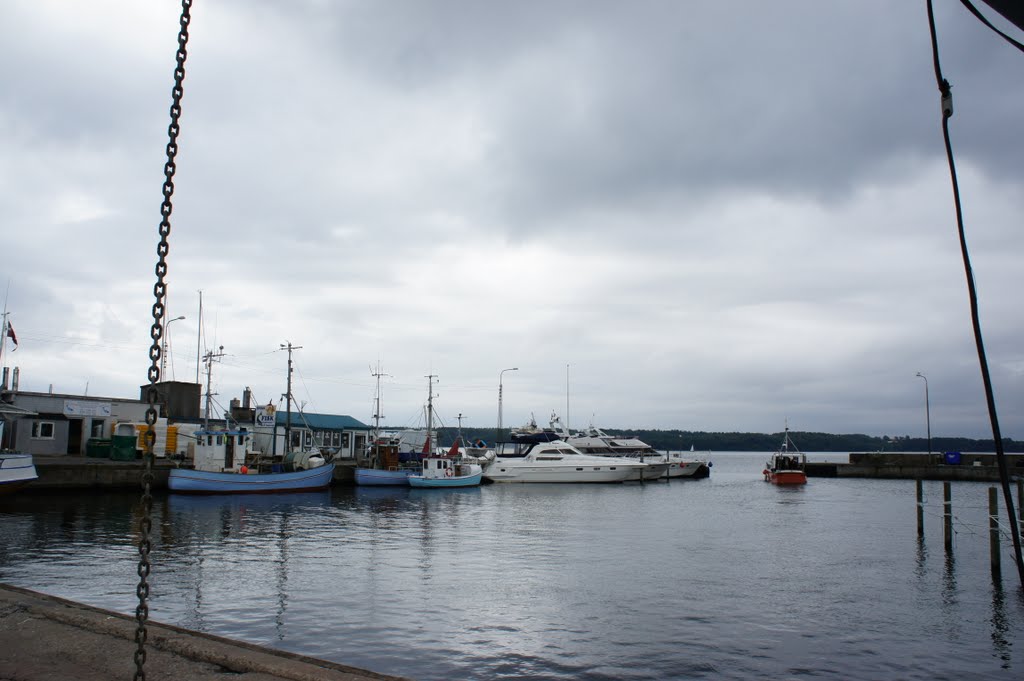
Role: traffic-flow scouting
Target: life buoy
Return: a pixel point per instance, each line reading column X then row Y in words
column 480, row 444
column 448, row 472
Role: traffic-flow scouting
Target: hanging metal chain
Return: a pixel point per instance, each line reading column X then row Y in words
column 156, row 333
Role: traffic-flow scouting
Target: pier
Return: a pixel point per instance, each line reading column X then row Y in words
column 911, row 466
column 85, row 473
column 52, row 638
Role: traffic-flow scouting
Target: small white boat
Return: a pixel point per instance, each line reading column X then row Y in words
column 16, row 471
column 687, row 465
column 556, row 461
column 447, row 471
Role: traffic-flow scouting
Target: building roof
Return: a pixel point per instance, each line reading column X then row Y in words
column 321, row 421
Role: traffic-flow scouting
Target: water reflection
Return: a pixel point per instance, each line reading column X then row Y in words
column 235, row 544
column 1000, row 624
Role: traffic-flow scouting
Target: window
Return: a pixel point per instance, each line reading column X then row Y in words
column 97, row 428
column 344, row 440
column 42, row 430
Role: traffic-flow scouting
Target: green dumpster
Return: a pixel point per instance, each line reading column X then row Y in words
column 98, row 448
column 123, row 448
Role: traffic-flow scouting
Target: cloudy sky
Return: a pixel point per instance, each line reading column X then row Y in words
column 706, row 216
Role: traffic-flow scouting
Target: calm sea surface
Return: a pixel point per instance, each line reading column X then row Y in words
column 724, row 578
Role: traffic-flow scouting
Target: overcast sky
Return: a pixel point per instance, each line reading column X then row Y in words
column 705, row 216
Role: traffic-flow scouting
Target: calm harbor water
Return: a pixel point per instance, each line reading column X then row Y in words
column 724, row 578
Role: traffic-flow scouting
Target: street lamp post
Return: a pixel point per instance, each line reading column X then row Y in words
column 500, row 376
column 163, row 355
column 927, row 412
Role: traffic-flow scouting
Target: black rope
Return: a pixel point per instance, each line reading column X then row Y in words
column 947, row 112
column 981, row 17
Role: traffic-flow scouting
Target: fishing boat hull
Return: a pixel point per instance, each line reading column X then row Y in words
column 376, row 477
column 454, row 481
column 785, row 477
column 654, row 470
column 16, row 471
column 189, row 481
column 693, row 470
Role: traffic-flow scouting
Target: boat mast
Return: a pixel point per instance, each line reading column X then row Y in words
column 377, row 416
column 210, row 356
column 288, row 395
column 430, row 410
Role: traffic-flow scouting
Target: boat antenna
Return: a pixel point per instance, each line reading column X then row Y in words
column 210, row 356
column 287, row 345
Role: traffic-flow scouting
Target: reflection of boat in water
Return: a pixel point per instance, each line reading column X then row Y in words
column 16, row 471
column 788, row 465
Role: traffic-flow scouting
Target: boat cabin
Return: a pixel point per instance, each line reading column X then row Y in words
column 223, row 451
column 436, row 467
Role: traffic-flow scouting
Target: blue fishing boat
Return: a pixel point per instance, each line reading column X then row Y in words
column 225, row 463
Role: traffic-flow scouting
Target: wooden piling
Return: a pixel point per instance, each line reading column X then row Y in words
column 1020, row 500
column 947, row 515
column 993, row 530
column 920, row 509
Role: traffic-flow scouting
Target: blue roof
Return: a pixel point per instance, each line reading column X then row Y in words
column 321, row 421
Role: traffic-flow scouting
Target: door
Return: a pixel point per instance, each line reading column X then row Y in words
column 74, row 436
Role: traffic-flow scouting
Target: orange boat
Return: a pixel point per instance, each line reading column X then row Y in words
column 788, row 465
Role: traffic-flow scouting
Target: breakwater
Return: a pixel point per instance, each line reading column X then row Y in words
column 917, row 466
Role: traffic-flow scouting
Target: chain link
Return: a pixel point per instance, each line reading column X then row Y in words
column 156, row 333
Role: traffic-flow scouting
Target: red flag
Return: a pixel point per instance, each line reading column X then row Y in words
column 454, row 451
column 10, row 334
column 426, row 446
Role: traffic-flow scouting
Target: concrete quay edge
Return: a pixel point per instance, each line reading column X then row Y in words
column 48, row 638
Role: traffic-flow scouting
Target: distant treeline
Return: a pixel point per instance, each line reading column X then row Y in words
column 676, row 440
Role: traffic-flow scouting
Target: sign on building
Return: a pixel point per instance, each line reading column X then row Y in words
column 266, row 416
column 83, row 408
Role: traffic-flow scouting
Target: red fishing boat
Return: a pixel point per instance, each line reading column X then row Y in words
column 788, row 465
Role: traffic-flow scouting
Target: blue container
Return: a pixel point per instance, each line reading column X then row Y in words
column 952, row 458
column 276, row 468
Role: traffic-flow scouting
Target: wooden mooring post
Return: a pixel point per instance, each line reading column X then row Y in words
column 947, row 515
column 993, row 530
column 1020, row 500
column 920, row 509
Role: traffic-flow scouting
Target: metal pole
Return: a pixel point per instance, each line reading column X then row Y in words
column 993, row 531
column 501, row 375
column 199, row 335
column 163, row 354
column 927, row 413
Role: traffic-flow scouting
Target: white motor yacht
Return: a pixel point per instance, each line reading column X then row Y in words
column 598, row 443
column 556, row 461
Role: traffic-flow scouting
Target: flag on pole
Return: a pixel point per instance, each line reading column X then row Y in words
column 10, row 334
